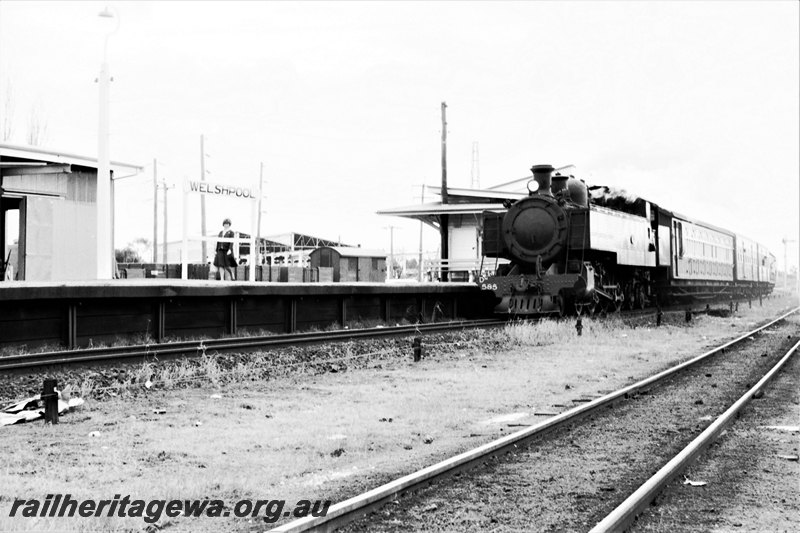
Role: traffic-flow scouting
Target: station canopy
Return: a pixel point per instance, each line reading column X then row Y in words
column 460, row 202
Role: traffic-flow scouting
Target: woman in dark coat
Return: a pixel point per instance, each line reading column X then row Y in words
column 224, row 259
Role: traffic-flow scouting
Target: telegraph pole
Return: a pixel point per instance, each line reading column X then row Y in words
column 391, row 250
column 260, row 196
column 155, row 211
column 104, row 239
column 164, row 250
column 444, row 219
column 476, row 170
column 786, row 262
column 419, row 263
column 202, row 198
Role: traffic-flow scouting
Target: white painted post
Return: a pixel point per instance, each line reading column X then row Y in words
column 253, row 231
column 184, row 245
column 236, row 235
column 258, row 218
column 103, row 195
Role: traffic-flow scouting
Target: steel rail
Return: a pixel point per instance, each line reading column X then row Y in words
column 13, row 362
column 623, row 516
column 344, row 512
column 229, row 344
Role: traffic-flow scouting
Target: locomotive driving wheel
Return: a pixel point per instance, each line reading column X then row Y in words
column 639, row 297
column 562, row 304
column 591, row 307
column 587, row 308
column 629, row 295
column 619, row 299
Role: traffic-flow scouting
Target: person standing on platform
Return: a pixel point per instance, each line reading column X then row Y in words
column 224, row 259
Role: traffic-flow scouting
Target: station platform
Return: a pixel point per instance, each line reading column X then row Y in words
column 88, row 313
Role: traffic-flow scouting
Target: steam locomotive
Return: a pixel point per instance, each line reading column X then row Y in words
column 573, row 248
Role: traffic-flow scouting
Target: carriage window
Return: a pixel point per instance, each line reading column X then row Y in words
column 680, row 239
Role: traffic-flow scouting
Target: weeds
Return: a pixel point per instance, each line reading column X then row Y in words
column 549, row 332
column 86, row 388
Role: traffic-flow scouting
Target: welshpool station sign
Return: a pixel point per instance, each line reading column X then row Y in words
column 221, row 189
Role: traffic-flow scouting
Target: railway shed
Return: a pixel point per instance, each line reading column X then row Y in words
column 282, row 249
column 48, row 213
column 350, row 264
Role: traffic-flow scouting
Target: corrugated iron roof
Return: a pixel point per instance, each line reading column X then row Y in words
column 34, row 153
column 346, row 251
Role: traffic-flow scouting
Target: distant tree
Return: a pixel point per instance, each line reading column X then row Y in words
column 411, row 263
column 142, row 246
column 135, row 251
column 37, row 128
column 7, row 120
column 127, row 255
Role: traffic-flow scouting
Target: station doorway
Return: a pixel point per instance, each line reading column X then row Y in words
column 12, row 228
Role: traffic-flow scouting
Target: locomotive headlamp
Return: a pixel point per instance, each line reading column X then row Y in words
column 533, row 186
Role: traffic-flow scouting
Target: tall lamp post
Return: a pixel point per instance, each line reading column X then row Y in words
column 105, row 253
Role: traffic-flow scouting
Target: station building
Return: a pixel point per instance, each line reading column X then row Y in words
column 48, row 213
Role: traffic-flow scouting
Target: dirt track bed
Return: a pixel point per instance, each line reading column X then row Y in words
column 752, row 472
column 573, row 478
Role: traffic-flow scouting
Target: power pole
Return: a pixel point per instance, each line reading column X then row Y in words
column 202, row 198
column 391, row 250
column 444, row 219
column 476, row 170
column 155, row 211
column 786, row 241
column 258, row 223
column 419, row 263
column 164, row 251
column 104, row 237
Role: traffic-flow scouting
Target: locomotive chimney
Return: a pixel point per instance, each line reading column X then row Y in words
column 542, row 175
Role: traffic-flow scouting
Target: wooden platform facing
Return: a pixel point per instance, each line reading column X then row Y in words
column 81, row 314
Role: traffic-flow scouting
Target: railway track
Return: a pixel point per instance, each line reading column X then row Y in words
column 349, row 510
column 233, row 344
column 237, row 344
column 625, row 514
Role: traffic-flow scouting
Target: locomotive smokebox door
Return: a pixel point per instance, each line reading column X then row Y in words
column 535, row 226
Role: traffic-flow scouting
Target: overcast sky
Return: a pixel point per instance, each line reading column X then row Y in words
column 693, row 105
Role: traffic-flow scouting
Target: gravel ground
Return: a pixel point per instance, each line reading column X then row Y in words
column 574, row 477
column 752, row 482
column 323, row 421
